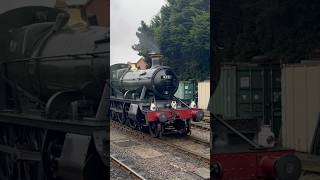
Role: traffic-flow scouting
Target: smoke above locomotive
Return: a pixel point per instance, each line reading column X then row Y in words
column 159, row 82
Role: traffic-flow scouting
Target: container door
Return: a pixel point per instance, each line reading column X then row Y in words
column 250, row 97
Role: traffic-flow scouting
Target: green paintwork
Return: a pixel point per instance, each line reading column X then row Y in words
column 188, row 90
column 250, row 91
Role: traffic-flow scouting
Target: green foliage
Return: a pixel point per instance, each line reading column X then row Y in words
column 286, row 30
column 182, row 34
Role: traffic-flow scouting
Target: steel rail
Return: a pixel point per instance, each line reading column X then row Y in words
column 127, row 168
column 198, row 126
column 198, row 140
column 142, row 135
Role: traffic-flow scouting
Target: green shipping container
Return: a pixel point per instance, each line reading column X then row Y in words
column 187, row 90
column 250, row 91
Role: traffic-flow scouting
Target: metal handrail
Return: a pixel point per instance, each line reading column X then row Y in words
column 47, row 58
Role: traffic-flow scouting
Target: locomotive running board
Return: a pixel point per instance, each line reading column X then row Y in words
column 66, row 125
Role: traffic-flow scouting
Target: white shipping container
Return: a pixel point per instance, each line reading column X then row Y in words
column 203, row 94
column 300, row 105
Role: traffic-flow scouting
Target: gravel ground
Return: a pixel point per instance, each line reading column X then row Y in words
column 153, row 161
column 117, row 173
column 202, row 134
column 310, row 177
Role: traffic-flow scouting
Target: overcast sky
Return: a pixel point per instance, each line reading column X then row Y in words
column 125, row 20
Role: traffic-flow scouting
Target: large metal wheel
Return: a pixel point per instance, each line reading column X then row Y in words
column 51, row 153
column 156, row 129
column 183, row 127
column 126, row 119
column 132, row 123
column 187, row 128
column 121, row 116
column 13, row 167
column 7, row 167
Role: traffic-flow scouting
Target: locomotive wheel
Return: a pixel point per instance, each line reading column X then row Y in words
column 187, row 128
column 23, row 138
column 50, row 154
column 183, row 127
column 7, row 168
column 132, row 123
column 7, row 165
column 156, row 129
column 121, row 118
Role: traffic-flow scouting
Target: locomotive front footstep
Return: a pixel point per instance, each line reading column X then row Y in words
column 145, row 99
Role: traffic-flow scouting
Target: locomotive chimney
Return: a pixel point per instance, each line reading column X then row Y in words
column 155, row 58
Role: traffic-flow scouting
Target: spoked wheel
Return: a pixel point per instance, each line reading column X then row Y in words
column 7, row 167
column 112, row 115
column 32, row 169
column 126, row 119
column 183, row 127
column 51, row 153
column 187, row 128
column 132, row 123
column 156, row 129
column 24, row 138
column 121, row 118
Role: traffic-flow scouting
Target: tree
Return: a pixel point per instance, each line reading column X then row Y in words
column 286, row 30
column 181, row 32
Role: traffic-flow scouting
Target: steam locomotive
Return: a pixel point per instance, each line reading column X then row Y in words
column 52, row 96
column 145, row 99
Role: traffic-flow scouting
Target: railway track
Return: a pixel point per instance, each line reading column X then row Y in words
column 201, row 126
column 133, row 173
column 144, row 136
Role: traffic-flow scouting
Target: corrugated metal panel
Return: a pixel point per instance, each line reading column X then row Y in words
column 224, row 99
column 250, row 91
column 300, row 104
column 203, row 94
column 187, row 90
column 180, row 91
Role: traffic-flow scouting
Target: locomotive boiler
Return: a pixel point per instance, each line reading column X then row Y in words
column 160, row 81
column 52, row 96
column 145, row 98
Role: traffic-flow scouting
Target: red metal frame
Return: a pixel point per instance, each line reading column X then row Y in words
column 249, row 165
column 172, row 114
